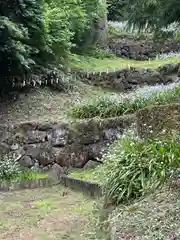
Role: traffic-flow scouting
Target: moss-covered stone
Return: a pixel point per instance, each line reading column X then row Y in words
column 151, row 121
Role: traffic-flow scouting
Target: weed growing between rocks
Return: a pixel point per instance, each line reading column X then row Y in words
column 112, row 107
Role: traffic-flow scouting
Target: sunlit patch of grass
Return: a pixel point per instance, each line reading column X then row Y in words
column 31, row 175
column 44, row 207
column 86, row 175
column 88, row 63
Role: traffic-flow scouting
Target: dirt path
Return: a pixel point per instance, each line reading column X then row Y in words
column 44, row 214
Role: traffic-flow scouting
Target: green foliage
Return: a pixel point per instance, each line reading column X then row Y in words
column 14, row 55
column 134, row 168
column 36, row 33
column 9, row 169
column 152, row 14
column 21, row 35
column 31, row 175
column 115, row 10
column 112, row 107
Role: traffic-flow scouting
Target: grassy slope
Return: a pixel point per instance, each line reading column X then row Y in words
column 154, row 218
column 45, row 214
column 94, row 64
column 44, row 104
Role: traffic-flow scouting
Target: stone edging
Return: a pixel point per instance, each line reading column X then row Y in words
column 27, row 184
column 88, row 188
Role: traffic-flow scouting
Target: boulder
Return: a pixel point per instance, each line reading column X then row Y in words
column 91, row 164
column 96, row 150
column 58, row 137
column 43, row 152
column 26, row 161
column 4, row 132
column 26, row 126
column 34, row 136
column 75, row 155
column 4, row 148
column 86, row 132
column 56, row 171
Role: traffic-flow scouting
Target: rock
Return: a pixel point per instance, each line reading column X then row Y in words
column 112, row 133
column 91, row 164
column 96, row 150
column 4, row 132
column 43, row 152
column 87, row 132
column 74, row 155
column 27, row 126
column 14, row 147
column 36, row 166
column 56, row 172
column 26, row 161
column 34, row 136
column 142, row 49
column 46, row 126
column 4, row 148
column 58, row 137
column 45, row 168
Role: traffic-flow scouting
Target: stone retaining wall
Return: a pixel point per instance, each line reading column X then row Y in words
column 41, row 145
column 142, row 50
column 152, row 120
column 130, row 78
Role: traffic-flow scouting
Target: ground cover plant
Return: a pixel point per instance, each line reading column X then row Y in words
column 134, row 167
column 109, row 106
column 10, row 170
column 155, row 217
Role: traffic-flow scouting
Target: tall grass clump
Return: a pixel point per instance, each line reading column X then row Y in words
column 112, row 107
column 135, row 167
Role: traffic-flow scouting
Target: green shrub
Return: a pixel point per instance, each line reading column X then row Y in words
column 134, row 168
column 42, row 33
column 9, row 169
column 112, row 107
